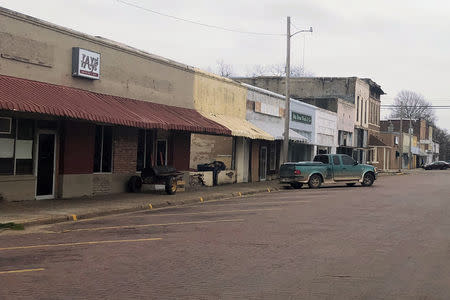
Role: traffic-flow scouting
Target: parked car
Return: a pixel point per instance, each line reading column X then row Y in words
column 437, row 165
column 327, row 168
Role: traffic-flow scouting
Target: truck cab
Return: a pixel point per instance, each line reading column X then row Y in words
column 326, row 169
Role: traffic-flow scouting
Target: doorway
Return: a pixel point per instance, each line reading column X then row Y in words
column 263, row 163
column 45, row 165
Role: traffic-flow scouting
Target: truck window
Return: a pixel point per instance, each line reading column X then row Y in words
column 336, row 161
column 347, row 160
column 321, row 158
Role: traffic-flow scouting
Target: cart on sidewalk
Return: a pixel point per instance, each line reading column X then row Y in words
column 157, row 175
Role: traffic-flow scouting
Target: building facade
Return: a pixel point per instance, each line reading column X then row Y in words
column 80, row 114
column 323, row 90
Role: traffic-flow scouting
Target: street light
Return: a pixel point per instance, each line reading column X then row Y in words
column 288, row 71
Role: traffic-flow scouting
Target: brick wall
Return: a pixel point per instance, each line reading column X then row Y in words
column 125, row 149
column 102, row 184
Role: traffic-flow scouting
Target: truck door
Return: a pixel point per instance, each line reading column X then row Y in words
column 339, row 171
column 350, row 171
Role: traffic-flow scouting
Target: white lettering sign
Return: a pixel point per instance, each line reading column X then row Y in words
column 85, row 63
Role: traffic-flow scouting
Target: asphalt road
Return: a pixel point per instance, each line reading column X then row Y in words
column 389, row 241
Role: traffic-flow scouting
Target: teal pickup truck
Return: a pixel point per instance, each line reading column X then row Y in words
column 327, row 168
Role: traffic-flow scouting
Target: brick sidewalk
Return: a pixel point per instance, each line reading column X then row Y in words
column 60, row 210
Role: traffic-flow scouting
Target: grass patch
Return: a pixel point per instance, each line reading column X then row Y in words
column 12, row 226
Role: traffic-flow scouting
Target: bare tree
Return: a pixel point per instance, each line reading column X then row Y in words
column 411, row 105
column 277, row 70
column 442, row 137
column 223, row 69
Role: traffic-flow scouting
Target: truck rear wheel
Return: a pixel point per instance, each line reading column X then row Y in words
column 315, row 181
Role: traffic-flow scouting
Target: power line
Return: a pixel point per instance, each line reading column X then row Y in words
column 198, row 23
column 418, row 106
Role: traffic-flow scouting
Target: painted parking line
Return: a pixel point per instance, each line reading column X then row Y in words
column 21, row 271
column 248, row 203
column 211, row 212
column 79, row 244
column 150, row 225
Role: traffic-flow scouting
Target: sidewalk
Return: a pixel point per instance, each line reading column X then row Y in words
column 60, row 210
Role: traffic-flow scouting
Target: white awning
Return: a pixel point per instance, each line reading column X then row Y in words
column 240, row 127
column 277, row 131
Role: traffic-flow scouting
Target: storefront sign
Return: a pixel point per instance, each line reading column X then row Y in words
column 301, row 118
column 267, row 109
column 85, row 63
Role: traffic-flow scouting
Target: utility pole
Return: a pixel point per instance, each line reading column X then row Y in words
column 400, row 160
column 287, row 110
column 287, row 106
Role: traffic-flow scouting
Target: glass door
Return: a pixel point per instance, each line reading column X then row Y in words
column 45, row 165
column 263, row 163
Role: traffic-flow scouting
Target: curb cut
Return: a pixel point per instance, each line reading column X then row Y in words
column 65, row 218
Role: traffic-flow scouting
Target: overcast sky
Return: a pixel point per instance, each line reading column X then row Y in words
column 399, row 44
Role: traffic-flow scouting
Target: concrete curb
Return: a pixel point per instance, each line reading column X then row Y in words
column 105, row 212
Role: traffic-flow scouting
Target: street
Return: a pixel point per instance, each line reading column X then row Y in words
column 388, row 241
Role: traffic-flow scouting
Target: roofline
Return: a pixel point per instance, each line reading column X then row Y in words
column 282, row 77
column 280, row 96
column 263, row 91
column 374, row 85
column 94, row 39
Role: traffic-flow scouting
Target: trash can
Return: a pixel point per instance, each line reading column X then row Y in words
column 215, row 167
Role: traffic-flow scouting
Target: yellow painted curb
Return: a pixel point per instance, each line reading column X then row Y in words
column 74, row 217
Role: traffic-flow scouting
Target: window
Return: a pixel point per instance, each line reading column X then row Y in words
column 161, row 152
column 347, row 160
column 103, row 149
column 145, row 150
column 5, row 125
column 321, row 158
column 16, row 147
column 396, row 140
column 336, row 160
column 273, row 157
column 357, row 109
column 365, row 112
column 362, row 110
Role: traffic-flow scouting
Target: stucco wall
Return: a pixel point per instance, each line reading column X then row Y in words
column 17, row 188
column 308, row 87
column 326, row 128
column 362, row 90
column 41, row 51
column 207, row 148
column 266, row 112
column 213, row 94
column 346, row 116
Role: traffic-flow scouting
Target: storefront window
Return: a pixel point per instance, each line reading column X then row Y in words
column 145, row 150
column 16, row 146
column 161, row 152
column 103, row 149
column 273, row 157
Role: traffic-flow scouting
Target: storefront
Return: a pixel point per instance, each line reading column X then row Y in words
column 303, row 131
column 62, row 142
column 326, row 133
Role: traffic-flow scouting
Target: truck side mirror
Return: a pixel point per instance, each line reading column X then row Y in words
column 355, row 163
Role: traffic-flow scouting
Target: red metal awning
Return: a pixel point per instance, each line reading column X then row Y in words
column 24, row 95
